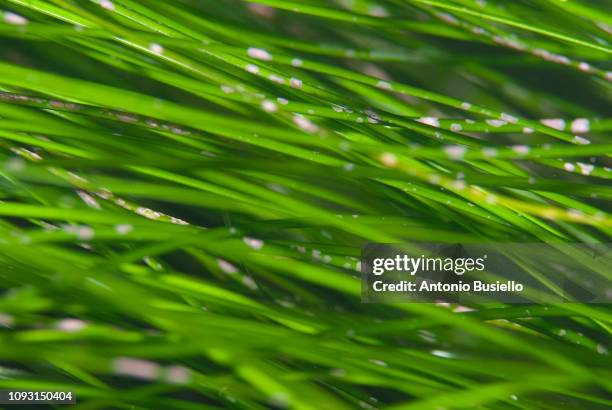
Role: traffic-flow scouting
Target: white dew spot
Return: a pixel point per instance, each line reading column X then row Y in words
column 459, row 184
column 569, row 167
column 456, row 127
column 123, row 229
column 71, row 325
column 349, row 166
column 442, row 353
column 276, row 78
column 295, row 83
column 574, row 213
column 496, row 123
column 6, row 320
column 601, row 349
column 249, row 282
column 107, row 4
column 148, row 213
column 252, row 68
column 136, row 368
column 268, row 106
column 15, row 19
column 586, row 67
column 296, row 62
column 227, row 267
column 259, row 54
column 585, row 169
column 88, row 199
column 83, row 232
column 227, row 89
column 434, row 122
column 521, row 149
column 514, row 397
column 580, row 125
column 509, row 118
column 156, row 48
column 378, row 362
column 581, row 140
column 305, row 124
column 562, row 332
column 178, row 375
column 384, row 85
column 388, row 159
column 282, row 101
column 527, row 130
column 377, row 10
column 466, row 105
column 455, row 151
column 254, row 243
column 489, row 152
column 491, row 199
column 337, row 108
column 556, row 123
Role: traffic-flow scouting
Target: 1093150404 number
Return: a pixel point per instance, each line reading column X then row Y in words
column 30, row 397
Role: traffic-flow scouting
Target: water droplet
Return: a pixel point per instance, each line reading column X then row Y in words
column 15, row 19
column 259, row 54
column 580, row 126
column 256, row 244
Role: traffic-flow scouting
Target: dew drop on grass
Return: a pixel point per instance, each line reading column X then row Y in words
column 556, row 123
column 585, row 169
column 6, row 320
column 581, row 140
column 123, row 229
column 496, row 123
column 388, row 159
column 384, row 85
column 136, row 368
column 442, row 353
column 252, row 68
column 227, row 89
column 527, row 130
column 455, row 151
column 254, row 243
column 107, row 4
column 305, row 124
column 156, row 48
column 378, row 362
column 268, row 106
column 521, row 149
column 514, row 397
column 276, row 78
column 466, row 105
column 71, row 325
column 580, row 126
column 249, row 282
column 295, row 83
column 178, row 375
column 227, row 267
column 259, row 54
column 586, row 67
column 509, row 118
column 296, row 62
column 282, row 101
column 14, row 19
column 88, row 199
column 434, row 122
